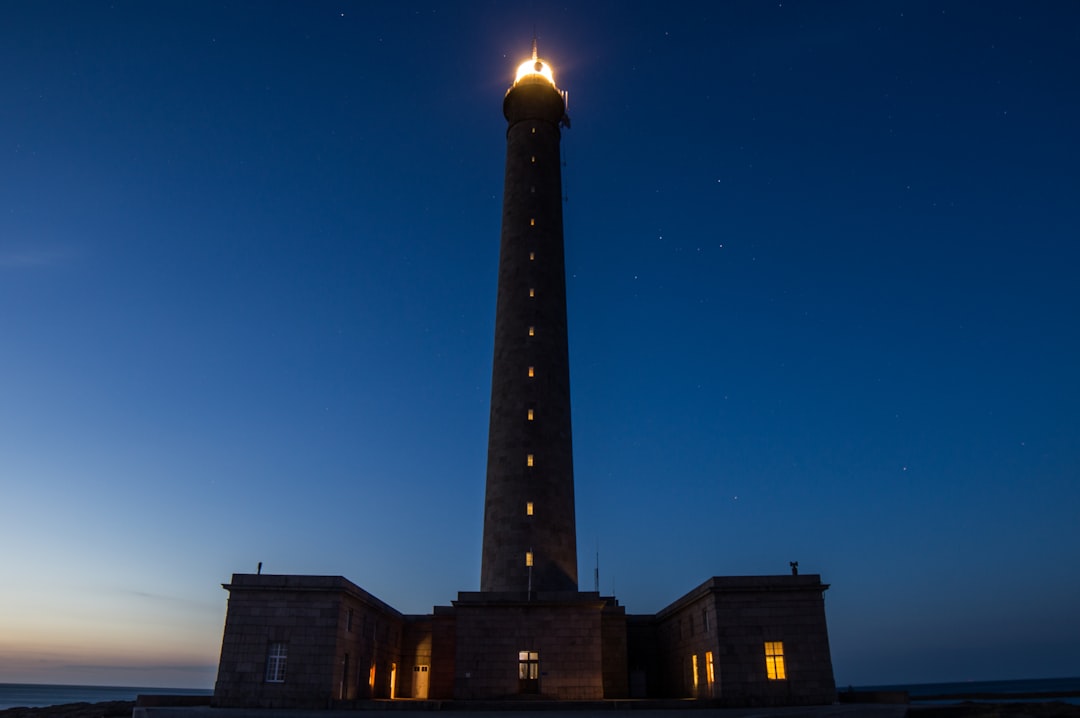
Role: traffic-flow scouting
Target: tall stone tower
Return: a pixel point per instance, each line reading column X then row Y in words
column 529, row 527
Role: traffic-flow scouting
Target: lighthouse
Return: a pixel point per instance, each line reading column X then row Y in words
column 529, row 528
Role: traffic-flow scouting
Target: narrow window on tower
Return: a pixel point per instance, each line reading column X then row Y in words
column 532, row 256
column 528, row 558
column 532, row 221
column 530, row 414
column 528, row 459
column 534, row 159
column 528, row 508
column 534, row 130
column 532, row 292
column 532, row 331
column 532, row 372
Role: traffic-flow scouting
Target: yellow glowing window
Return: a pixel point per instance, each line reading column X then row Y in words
column 528, row 459
column 534, row 159
column 528, row 558
column 693, row 669
column 529, row 508
column 532, row 256
column 532, row 331
column 532, row 292
column 534, row 130
column 530, row 414
column 532, row 221
column 710, row 670
column 528, row 665
column 532, row 372
column 774, row 660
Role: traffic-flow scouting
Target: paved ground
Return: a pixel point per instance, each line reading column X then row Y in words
column 833, row 711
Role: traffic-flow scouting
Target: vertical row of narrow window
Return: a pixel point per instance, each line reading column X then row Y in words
column 530, row 416
column 529, row 667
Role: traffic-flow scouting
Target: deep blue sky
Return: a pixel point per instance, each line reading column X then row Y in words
column 823, row 300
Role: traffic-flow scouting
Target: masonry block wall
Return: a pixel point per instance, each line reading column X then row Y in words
column 566, row 634
column 330, row 639
column 414, row 676
column 712, row 642
column 613, row 631
column 444, row 649
column 642, row 657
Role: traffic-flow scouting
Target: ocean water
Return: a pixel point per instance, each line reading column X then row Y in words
column 1001, row 689
column 36, row 695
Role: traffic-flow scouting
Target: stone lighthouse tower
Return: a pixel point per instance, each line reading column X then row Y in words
column 529, row 529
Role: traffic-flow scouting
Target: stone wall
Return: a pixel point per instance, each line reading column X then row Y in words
column 566, row 632
column 730, row 619
column 331, row 631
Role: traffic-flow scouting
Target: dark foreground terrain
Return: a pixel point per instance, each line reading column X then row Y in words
column 123, row 709
column 997, row 710
column 109, row 709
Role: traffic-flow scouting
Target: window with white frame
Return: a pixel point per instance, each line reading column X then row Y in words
column 275, row 663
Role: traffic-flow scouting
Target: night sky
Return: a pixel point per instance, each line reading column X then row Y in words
column 822, row 280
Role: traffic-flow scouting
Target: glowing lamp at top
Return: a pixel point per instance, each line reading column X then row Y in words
column 534, row 69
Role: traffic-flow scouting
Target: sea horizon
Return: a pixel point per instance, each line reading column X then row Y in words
column 40, row 695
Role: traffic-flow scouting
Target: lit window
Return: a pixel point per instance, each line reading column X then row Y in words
column 528, row 558
column 532, row 372
column 534, row 159
column 275, row 663
column 532, row 256
column 530, row 414
column 693, row 670
column 774, row 660
column 532, row 292
column 710, row 670
column 529, row 508
column 532, row 221
column 532, row 331
column 528, row 459
column 528, row 665
column 534, row 130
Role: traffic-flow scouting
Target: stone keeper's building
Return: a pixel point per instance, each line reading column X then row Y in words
column 322, row 641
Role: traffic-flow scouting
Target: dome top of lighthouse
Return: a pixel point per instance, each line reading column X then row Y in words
column 534, row 70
